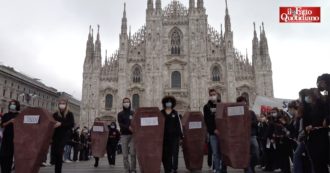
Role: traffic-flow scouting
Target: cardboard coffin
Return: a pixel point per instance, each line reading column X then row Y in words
column 194, row 131
column 99, row 137
column 148, row 131
column 33, row 129
column 233, row 122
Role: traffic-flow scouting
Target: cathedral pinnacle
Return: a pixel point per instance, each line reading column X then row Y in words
column 227, row 20
column 124, row 21
column 200, row 3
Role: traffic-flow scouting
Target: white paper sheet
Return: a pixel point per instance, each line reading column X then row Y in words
column 150, row 121
column 98, row 129
column 31, row 119
column 195, row 125
column 236, row 111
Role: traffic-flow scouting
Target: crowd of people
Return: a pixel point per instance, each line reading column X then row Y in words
column 280, row 139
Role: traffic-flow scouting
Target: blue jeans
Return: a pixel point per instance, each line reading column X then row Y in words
column 254, row 154
column 67, row 152
column 215, row 153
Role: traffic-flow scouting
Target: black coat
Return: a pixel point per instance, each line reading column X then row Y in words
column 8, row 133
column 173, row 126
column 124, row 120
column 209, row 117
column 63, row 133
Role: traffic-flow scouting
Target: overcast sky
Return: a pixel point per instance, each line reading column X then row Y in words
column 46, row 39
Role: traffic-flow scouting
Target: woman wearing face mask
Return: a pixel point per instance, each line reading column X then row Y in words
column 173, row 134
column 64, row 123
column 317, row 135
column 127, row 141
column 114, row 137
column 7, row 148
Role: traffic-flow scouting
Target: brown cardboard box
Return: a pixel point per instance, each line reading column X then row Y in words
column 33, row 129
column 148, row 131
column 233, row 122
column 194, row 131
column 99, row 137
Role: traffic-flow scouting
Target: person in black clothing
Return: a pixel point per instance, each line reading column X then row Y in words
column 63, row 130
column 127, row 141
column 314, row 123
column 254, row 147
column 83, row 155
column 173, row 134
column 209, row 118
column 76, row 143
column 114, row 137
column 7, row 147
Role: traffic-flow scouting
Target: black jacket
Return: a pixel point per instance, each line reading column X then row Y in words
column 209, row 117
column 173, row 126
column 63, row 133
column 114, row 136
column 254, row 123
column 124, row 120
column 8, row 133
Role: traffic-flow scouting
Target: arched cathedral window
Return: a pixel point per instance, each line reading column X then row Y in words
column 108, row 101
column 176, row 79
column 137, row 74
column 216, row 74
column 136, row 101
column 175, row 42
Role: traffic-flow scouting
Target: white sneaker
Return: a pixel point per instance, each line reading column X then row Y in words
column 67, row 161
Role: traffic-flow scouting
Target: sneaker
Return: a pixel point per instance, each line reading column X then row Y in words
column 67, row 161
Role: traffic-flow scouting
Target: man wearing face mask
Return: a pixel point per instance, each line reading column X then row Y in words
column 209, row 118
column 63, row 130
column 7, row 148
column 173, row 134
column 124, row 120
column 113, row 139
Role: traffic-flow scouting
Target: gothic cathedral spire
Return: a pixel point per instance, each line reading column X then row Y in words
column 124, row 22
column 158, row 5
column 191, row 4
column 227, row 20
column 200, row 4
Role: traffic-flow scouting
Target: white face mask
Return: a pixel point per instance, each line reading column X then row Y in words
column 168, row 104
column 126, row 105
column 62, row 106
column 274, row 114
column 213, row 98
column 112, row 127
column 12, row 107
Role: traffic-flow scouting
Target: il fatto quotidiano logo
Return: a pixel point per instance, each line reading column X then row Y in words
column 300, row 14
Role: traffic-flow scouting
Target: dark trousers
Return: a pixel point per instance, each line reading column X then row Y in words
column 170, row 154
column 57, row 156
column 317, row 148
column 209, row 154
column 75, row 152
column 6, row 157
column 284, row 156
column 111, row 152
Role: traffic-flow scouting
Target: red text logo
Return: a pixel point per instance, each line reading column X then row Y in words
column 300, row 14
